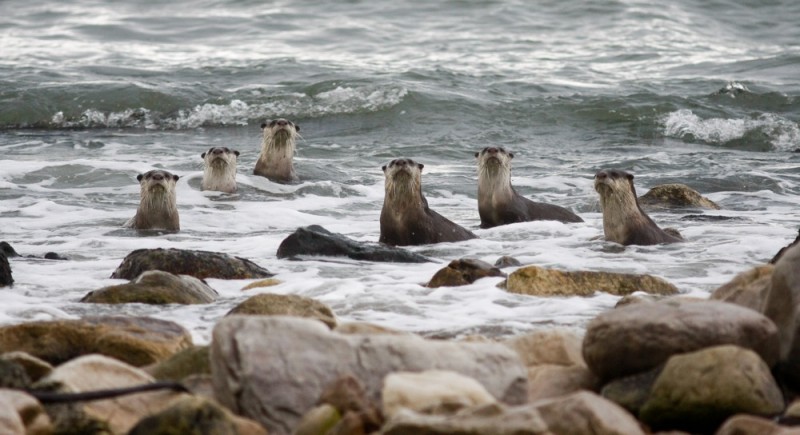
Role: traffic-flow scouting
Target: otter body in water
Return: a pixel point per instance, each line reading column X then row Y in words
column 499, row 203
column 406, row 218
column 277, row 151
column 624, row 221
column 158, row 208
column 219, row 171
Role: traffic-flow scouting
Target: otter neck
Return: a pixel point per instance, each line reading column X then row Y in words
column 619, row 207
column 405, row 193
column 159, row 202
column 279, row 145
column 494, row 184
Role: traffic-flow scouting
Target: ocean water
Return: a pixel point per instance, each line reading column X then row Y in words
column 93, row 93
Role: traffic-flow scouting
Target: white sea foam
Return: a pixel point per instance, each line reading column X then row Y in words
column 783, row 134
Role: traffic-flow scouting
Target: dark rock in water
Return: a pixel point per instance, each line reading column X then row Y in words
column 709, row 218
column 155, row 287
column 315, row 240
column 462, row 272
column 8, row 250
column 5, row 271
column 54, row 256
column 507, row 261
column 199, row 264
column 783, row 250
column 675, row 196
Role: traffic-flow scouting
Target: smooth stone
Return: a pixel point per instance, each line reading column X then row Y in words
column 463, row 272
column 675, row 195
column 268, row 304
column 195, row 415
column 21, row 414
column 748, row 289
column 157, row 288
column 199, row 264
column 548, row 346
column 431, row 392
column 190, row 361
column 315, row 240
column 782, row 305
column 36, row 368
column 539, row 281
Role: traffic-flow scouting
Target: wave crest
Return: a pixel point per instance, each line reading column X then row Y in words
column 766, row 131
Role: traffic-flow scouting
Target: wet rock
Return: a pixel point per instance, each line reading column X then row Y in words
column 632, row 392
column 157, row 288
column 748, row 289
column 269, row 282
column 315, row 240
column 136, row 340
column 785, row 248
column 190, row 361
column 198, row 416
column 577, row 413
column 675, row 196
column 199, row 264
column 8, row 250
column 97, row 372
column 366, row 328
column 637, row 299
column 654, row 332
column 783, row 307
column 431, row 392
column 267, row 304
column 507, row 261
column 5, row 272
column 462, row 272
column 698, row 391
column 538, row 281
column 21, row 414
column 256, row 362
column 35, row 368
column 13, row 375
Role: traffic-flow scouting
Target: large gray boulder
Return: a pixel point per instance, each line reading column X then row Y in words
column 273, row 369
column 635, row 338
column 199, row 264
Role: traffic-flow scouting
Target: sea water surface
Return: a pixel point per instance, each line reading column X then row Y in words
column 93, row 93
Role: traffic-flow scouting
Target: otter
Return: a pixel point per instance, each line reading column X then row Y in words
column 157, row 208
column 219, row 171
column 499, row 203
column 406, row 218
column 277, row 151
column 624, row 221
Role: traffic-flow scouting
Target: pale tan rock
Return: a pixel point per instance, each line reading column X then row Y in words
column 98, row 372
column 318, row 420
column 539, row 281
column 366, row 328
column 268, row 304
column 22, row 414
column 782, row 305
column 550, row 346
column 744, row 424
column 463, row 272
column 269, row 282
column 432, row 391
column 548, row 381
column 748, row 289
column 675, row 195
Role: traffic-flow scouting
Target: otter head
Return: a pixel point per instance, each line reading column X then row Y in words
column 280, row 132
column 494, row 166
column 614, row 183
column 157, row 181
column 403, row 178
column 220, row 156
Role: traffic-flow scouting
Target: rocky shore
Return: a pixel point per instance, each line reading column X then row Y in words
column 284, row 364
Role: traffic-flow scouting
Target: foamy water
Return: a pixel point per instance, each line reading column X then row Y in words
column 93, row 94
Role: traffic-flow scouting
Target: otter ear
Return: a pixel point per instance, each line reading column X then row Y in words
column 139, row 177
column 264, row 124
column 175, row 177
column 202, row 156
column 510, row 155
column 420, row 166
column 477, row 154
column 383, row 168
column 629, row 176
column 236, row 152
column 296, row 127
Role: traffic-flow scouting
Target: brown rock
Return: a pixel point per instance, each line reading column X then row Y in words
column 190, row 361
column 199, row 264
column 507, row 261
column 157, row 288
column 36, row 368
column 136, row 340
column 744, row 424
column 462, row 272
column 550, row 381
column 269, row 282
column 654, row 332
column 699, row 390
column 675, row 196
column 196, row 415
column 632, row 392
column 267, row 304
column 538, row 281
column 748, row 289
column 782, row 305
column 366, row 328
column 431, row 392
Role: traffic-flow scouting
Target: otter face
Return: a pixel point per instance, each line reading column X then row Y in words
column 610, row 180
column 224, row 154
column 280, row 128
column 398, row 166
column 494, row 156
column 157, row 179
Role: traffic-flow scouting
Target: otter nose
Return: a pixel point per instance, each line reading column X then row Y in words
column 282, row 122
column 491, row 150
column 158, row 176
column 602, row 175
column 217, row 151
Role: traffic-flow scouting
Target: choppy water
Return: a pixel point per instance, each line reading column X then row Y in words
column 93, row 93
